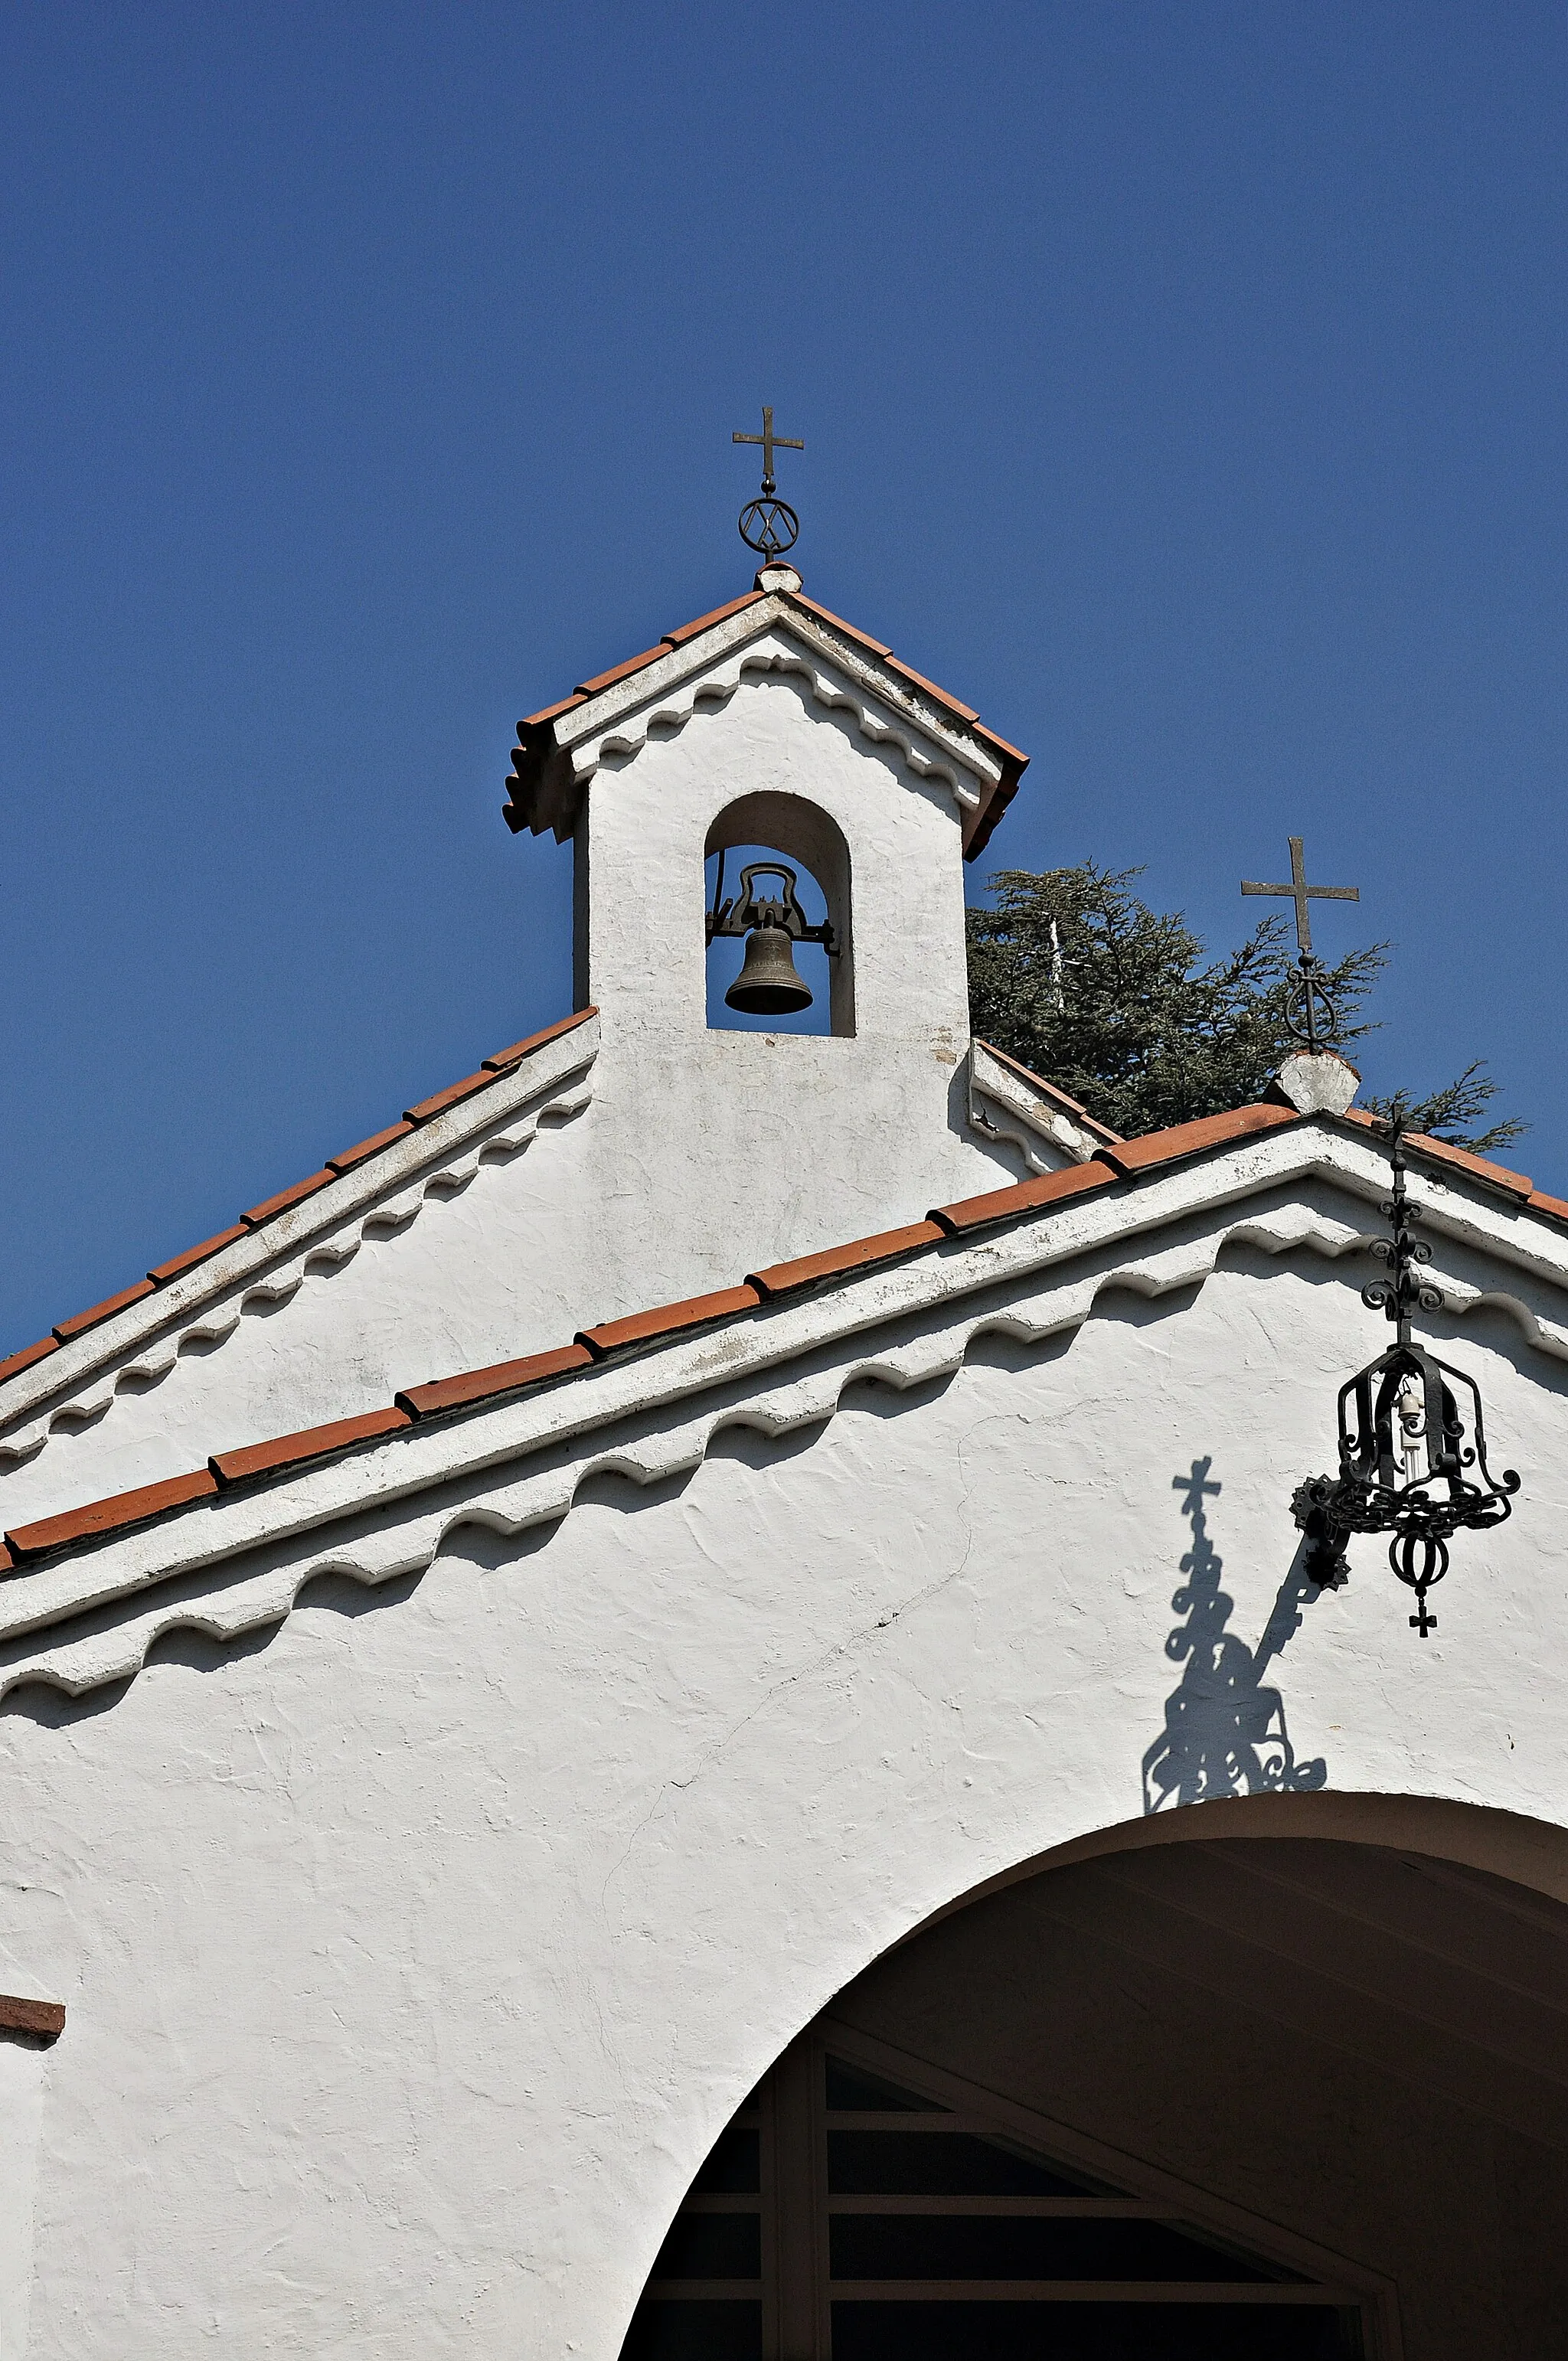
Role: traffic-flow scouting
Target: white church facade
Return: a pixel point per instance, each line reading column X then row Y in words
column 673, row 1709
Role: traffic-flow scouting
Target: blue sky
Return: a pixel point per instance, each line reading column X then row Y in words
column 1182, row 385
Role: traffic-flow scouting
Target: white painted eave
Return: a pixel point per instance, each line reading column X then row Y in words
column 237, row 1562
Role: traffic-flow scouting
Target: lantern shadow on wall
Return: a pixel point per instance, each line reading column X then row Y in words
column 1224, row 1732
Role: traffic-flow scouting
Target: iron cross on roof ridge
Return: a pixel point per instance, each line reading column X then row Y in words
column 1300, row 892
column 1308, row 997
column 769, row 443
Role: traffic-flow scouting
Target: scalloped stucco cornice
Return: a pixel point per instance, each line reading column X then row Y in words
column 236, row 1563
column 380, row 1198
column 773, row 637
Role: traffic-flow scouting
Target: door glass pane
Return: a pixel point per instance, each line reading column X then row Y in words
column 1100, row 2332
column 734, row 2164
column 850, row 2088
column 712, row 2246
column 981, row 2247
column 945, row 2164
column 696, row 2331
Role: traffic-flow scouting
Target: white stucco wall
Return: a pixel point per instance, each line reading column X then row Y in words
column 414, row 1955
column 674, row 1162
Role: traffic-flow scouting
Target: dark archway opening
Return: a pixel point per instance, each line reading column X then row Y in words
column 1289, row 2094
column 771, row 827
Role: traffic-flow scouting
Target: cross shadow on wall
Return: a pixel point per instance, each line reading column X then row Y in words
column 1225, row 1732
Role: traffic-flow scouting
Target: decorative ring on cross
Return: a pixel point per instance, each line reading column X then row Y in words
column 1308, row 1010
column 769, row 526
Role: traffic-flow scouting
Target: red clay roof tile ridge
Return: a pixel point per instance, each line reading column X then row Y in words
column 1180, row 1140
column 227, row 1469
column 843, row 1262
column 586, row 690
column 285, row 1451
column 29, row 1354
column 1052, row 1090
column 471, row 1386
column 1023, row 1197
column 164, row 1274
column 1445, row 1151
column 116, row 1514
column 668, row 1320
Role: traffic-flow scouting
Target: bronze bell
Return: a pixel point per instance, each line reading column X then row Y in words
column 769, row 984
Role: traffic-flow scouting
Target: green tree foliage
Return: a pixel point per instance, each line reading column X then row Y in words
column 1073, row 974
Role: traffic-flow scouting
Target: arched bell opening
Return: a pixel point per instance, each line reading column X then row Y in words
column 1289, row 2093
column 777, row 898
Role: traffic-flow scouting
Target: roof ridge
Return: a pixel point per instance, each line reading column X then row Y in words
column 493, row 1068
column 536, row 733
column 1052, row 1091
column 1117, row 1164
column 639, row 1331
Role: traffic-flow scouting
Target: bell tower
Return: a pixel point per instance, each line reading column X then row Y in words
column 771, row 777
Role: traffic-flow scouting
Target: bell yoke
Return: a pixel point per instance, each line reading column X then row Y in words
column 769, row 984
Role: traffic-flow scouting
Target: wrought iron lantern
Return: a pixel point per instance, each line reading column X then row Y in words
column 1412, row 1446
column 769, row 984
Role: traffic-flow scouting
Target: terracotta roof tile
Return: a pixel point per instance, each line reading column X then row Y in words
column 505, row 1060
column 850, row 631
column 620, row 671
column 1014, row 753
column 551, row 712
column 1183, row 1140
column 270, row 1206
column 943, row 696
column 1126, row 1159
column 311, row 1442
column 112, row 1516
column 453, row 1095
column 488, row 1385
column 362, row 1148
column 716, row 615
column 7, row 1563
column 1051, row 1089
column 80, row 1322
column 668, row 1320
column 786, row 1278
column 587, row 688
column 41, row 2016
column 536, row 735
column 1025, row 1197
column 1495, row 1176
column 164, row 1271
column 980, row 826
column 27, row 1356
column 1464, row 1159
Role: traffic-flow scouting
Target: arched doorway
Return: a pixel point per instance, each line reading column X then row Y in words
column 1236, row 2094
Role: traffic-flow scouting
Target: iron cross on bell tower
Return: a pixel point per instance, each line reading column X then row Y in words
column 1308, row 989
column 768, row 524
